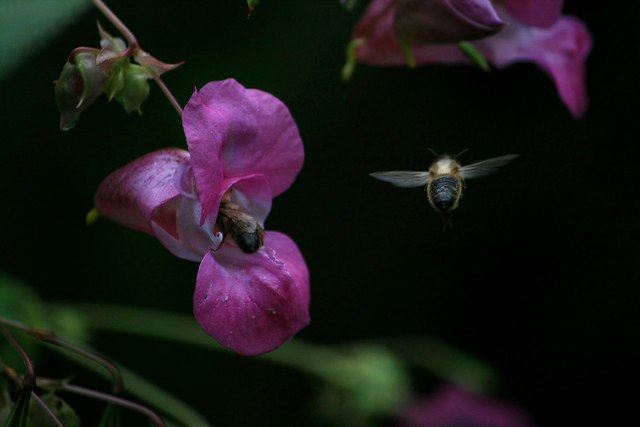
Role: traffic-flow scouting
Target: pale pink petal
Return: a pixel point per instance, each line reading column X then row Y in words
column 253, row 193
column 233, row 132
column 537, row 13
column 452, row 405
column 560, row 50
column 131, row 194
column 444, row 21
column 188, row 239
column 253, row 303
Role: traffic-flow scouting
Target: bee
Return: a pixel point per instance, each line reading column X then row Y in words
column 444, row 181
column 243, row 228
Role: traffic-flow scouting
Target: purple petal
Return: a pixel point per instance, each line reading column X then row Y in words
column 454, row 406
column 560, row 50
column 536, row 13
column 234, row 132
column 130, row 195
column 253, row 303
column 444, row 21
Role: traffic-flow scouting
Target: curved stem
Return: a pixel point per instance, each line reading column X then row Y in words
column 114, row 399
column 113, row 18
column 51, row 338
column 47, row 410
column 29, row 378
column 134, row 47
column 165, row 90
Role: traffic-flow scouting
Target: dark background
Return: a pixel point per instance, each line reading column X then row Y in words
column 538, row 276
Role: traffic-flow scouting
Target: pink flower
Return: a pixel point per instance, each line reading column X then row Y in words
column 535, row 32
column 453, row 406
column 209, row 205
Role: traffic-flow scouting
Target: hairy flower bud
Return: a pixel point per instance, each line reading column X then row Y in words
column 79, row 84
column 444, row 21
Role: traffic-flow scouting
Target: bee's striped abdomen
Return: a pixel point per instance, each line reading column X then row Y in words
column 444, row 193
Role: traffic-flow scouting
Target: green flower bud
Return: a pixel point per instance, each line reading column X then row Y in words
column 77, row 87
column 135, row 88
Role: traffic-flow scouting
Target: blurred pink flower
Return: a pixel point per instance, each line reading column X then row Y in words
column 453, row 406
column 244, row 149
column 535, row 32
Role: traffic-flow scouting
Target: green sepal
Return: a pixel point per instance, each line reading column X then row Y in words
column 115, row 82
column 474, row 55
column 350, row 64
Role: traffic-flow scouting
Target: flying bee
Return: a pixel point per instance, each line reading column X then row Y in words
column 243, row 228
column 444, row 181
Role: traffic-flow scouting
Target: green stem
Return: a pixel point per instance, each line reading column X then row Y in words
column 51, row 338
column 148, row 392
column 94, row 394
column 29, row 378
column 134, row 46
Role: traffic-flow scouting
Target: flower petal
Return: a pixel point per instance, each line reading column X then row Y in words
column 131, row 194
column 453, row 405
column 253, row 303
column 233, row 132
column 560, row 51
column 187, row 239
column 537, row 13
column 253, row 193
column 444, row 21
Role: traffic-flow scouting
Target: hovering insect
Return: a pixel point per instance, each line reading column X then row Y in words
column 444, row 181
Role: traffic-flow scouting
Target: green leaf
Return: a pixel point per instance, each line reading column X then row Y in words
column 19, row 413
column 27, row 25
column 112, row 416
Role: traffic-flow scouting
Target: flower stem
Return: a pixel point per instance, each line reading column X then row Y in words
column 47, row 410
column 51, row 338
column 134, row 47
column 113, row 18
column 29, row 378
column 113, row 399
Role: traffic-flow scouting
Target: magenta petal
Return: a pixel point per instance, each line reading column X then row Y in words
column 131, row 194
column 244, row 131
column 560, row 50
column 454, row 406
column 537, row 13
column 444, row 21
column 253, row 303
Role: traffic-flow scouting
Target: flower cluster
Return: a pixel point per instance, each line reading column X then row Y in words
column 209, row 204
column 505, row 32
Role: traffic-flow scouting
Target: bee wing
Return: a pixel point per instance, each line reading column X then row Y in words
column 404, row 179
column 485, row 167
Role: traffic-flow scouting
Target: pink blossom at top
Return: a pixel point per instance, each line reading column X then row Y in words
column 535, row 32
column 245, row 149
column 453, row 406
